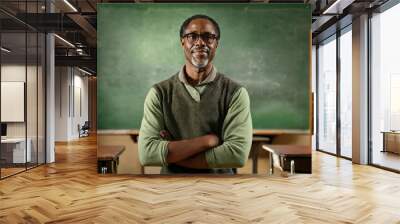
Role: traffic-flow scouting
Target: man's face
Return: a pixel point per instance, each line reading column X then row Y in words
column 199, row 42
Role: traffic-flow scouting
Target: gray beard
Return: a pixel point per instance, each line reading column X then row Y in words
column 199, row 65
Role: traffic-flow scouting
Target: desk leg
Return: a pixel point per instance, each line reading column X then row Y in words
column 102, row 165
column 114, row 165
column 255, row 159
column 109, row 165
column 384, row 143
column 271, row 164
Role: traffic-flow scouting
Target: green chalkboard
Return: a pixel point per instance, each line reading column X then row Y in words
column 265, row 47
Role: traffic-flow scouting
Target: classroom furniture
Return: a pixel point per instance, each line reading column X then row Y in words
column 259, row 135
column 84, row 129
column 256, row 145
column 13, row 151
column 292, row 158
column 108, row 158
column 3, row 130
column 391, row 141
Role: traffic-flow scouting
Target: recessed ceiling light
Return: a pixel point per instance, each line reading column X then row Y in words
column 337, row 7
column 64, row 40
column 5, row 50
column 70, row 5
column 84, row 71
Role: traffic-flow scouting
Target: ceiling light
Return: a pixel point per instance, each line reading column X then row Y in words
column 64, row 40
column 84, row 71
column 79, row 51
column 70, row 5
column 338, row 6
column 329, row 9
column 5, row 50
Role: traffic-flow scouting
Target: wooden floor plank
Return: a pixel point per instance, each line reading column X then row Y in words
column 70, row 191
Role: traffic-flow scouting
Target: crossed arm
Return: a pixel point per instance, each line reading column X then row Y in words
column 190, row 152
column 201, row 152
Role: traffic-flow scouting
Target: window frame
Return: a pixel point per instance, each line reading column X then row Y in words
column 337, row 34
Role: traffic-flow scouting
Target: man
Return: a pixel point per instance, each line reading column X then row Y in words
column 197, row 121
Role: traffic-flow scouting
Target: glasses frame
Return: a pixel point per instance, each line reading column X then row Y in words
column 208, row 38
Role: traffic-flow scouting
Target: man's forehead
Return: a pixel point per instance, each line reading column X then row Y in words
column 201, row 25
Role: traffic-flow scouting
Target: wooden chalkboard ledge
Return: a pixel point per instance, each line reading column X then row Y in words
column 118, row 132
column 131, row 132
column 280, row 132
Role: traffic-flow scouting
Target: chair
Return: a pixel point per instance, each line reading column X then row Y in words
column 84, row 130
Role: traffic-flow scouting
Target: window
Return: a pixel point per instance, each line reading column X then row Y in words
column 334, row 77
column 327, row 95
column 346, row 93
column 22, row 77
column 385, row 88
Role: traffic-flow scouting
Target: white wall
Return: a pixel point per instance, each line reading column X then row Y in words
column 16, row 73
column 13, row 73
column 71, row 102
column 33, row 127
column 80, row 110
column 62, row 80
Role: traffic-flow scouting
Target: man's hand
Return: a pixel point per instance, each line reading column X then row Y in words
column 164, row 134
column 212, row 140
column 198, row 161
column 183, row 149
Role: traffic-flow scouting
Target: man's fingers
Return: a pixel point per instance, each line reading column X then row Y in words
column 164, row 134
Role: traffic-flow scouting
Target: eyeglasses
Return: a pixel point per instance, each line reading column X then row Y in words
column 208, row 38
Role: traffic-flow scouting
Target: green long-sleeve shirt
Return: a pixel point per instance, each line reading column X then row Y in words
column 236, row 130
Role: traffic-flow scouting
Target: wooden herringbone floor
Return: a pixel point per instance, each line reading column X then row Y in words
column 70, row 191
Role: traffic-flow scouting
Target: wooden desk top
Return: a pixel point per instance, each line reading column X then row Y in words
column 105, row 152
column 391, row 132
column 14, row 140
column 289, row 150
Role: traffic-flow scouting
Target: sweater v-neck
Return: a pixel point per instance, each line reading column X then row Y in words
column 196, row 92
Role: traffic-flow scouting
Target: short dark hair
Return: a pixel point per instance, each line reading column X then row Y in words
column 199, row 16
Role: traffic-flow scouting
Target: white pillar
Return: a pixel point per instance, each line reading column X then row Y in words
column 360, row 90
column 50, row 100
column 50, row 92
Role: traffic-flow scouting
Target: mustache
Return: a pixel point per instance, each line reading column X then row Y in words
column 197, row 48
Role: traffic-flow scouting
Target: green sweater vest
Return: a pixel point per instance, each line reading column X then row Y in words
column 185, row 118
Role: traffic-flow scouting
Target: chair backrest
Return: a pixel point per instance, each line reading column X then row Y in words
column 86, row 125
